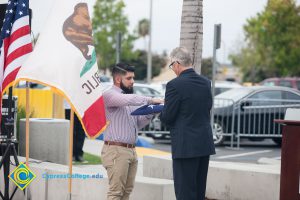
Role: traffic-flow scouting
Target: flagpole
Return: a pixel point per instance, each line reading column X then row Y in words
column 27, row 111
column 71, row 152
column 27, row 124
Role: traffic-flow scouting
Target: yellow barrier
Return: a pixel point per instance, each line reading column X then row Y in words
column 43, row 103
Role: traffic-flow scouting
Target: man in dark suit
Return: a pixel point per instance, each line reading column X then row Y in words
column 188, row 102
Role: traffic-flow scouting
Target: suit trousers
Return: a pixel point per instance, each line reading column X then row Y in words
column 190, row 176
column 78, row 135
column 121, row 165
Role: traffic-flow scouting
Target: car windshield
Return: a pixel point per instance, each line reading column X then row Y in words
column 269, row 83
column 219, row 90
column 298, row 85
column 285, row 83
column 146, row 91
column 234, row 94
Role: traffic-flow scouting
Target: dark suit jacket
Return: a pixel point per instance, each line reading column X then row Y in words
column 188, row 102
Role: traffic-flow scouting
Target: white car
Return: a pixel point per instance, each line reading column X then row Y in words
column 146, row 90
column 160, row 86
column 138, row 88
column 223, row 86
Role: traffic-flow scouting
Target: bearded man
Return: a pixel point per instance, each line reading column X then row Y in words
column 118, row 155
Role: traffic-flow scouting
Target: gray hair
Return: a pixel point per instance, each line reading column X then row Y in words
column 182, row 55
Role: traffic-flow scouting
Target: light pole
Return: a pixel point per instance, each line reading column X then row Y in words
column 216, row 45
column 224, row 51
column 118, row 48
column 149, row 58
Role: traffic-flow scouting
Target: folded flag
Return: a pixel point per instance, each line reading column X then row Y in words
column 148, row 109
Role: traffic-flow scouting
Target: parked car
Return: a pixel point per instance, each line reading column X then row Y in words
column 32, row 85
column 22, row 84
column 138, row 88
column 104, row 78
column 156, row 126
column 223, row 86
column 220, row 86
column 251, row 112
column 160, row 86
column 291, row 82
column 146, row 90
column 151, row 91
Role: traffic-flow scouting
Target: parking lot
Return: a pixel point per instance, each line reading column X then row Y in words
column 249, row 151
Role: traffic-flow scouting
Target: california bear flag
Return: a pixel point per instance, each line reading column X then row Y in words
column 65, row 59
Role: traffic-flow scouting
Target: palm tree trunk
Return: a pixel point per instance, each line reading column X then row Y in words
column 192, row 30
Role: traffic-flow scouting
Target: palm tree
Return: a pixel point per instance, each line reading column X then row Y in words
column 191, row 33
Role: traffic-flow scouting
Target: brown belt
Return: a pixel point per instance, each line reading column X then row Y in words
column 119, row 144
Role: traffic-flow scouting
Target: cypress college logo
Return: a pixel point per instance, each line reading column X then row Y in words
column 22, row 176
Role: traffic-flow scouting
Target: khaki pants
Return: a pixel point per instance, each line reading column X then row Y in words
column 121, row 166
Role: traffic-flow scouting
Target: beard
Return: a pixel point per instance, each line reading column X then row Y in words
column 126, row 90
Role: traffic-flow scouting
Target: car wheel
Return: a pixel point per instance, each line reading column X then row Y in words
column 218, row 133
column 278, row 141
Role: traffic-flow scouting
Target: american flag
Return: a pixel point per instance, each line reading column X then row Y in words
column 15, row 41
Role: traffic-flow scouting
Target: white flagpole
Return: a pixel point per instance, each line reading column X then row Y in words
column 71, row 152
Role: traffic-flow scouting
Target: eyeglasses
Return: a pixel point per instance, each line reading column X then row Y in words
column 172, row 63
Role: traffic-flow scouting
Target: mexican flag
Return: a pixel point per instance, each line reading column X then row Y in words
column 64, row 58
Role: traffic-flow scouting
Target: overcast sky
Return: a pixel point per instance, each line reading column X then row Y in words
column 232, row 14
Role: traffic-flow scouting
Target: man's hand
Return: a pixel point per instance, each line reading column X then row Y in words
column 157, row 101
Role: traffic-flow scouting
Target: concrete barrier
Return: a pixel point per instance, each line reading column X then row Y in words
column 226, row 181
column 91, row 189
column 37, row 188
column 158, row 167
column 49, row 139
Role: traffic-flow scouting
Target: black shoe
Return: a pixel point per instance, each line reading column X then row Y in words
column 80, row 159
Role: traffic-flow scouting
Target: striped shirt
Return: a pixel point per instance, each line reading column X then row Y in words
column 123, row 127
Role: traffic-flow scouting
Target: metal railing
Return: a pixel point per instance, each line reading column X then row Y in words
column 255, row 118
column 223, row 120
column 156, row 129
column 249, row 118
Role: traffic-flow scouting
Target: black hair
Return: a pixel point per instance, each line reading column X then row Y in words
column 122, row 68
